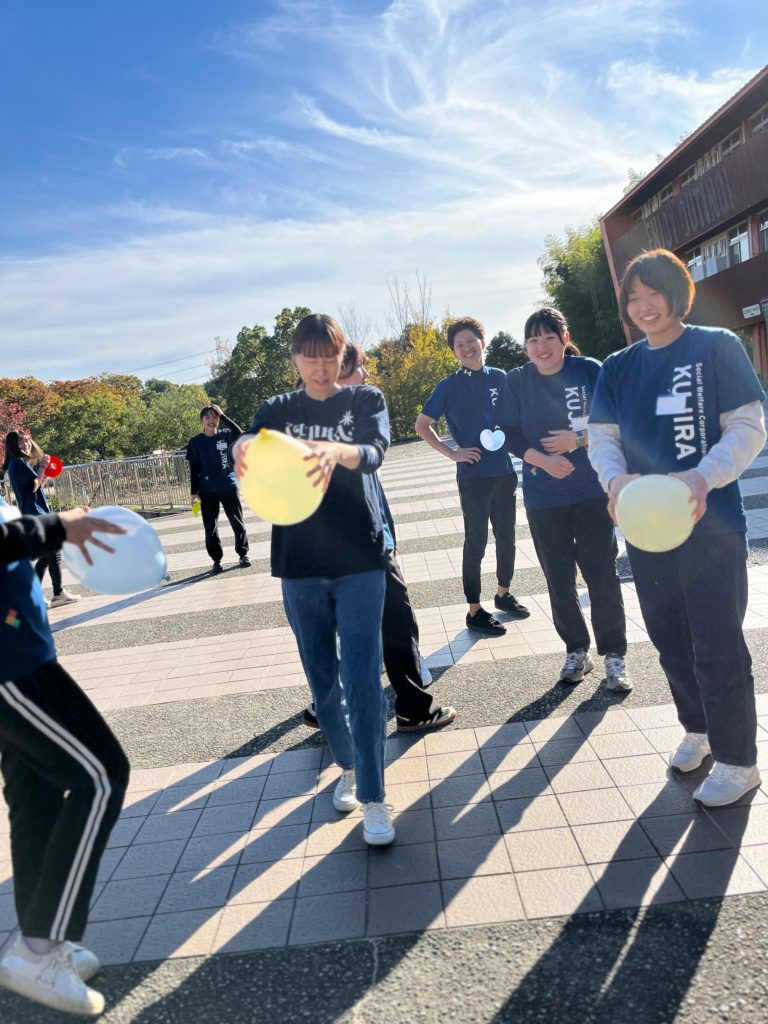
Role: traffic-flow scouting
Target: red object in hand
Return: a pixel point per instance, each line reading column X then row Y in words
column 54, row 467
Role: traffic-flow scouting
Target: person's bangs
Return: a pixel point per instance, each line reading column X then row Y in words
column 543, row 322
column 316, row 348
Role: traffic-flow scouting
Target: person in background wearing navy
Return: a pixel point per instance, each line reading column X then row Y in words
column 331, row 565
column 485, row 475
column 685, row 401
column 27, row 483
column 544, row 411
column 214, row 483
column 65, row 774
column 406, row 669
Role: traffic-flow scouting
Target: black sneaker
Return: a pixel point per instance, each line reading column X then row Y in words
column 483, row 622
column 245, row 562
column 509, row 604
column 309, row 718
column 216, row 567
column 439, row 718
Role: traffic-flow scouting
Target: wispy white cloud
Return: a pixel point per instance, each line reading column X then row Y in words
column 131, row 154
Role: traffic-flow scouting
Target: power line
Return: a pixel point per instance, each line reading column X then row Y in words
column 168, row 362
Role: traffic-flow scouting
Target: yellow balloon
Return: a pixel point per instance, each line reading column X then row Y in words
column 275, row 484
column 654, row 513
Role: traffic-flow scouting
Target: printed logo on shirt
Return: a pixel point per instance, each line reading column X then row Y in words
column 691, row 418
column 12, row 618
column 221, row 447
column 576, row 404
column 343, row 431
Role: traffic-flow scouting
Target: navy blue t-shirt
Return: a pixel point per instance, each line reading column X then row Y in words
column 667, row 403
column 25, row 636
column 468, row 400
column 211, row 457
column 536, row 403
column 31, row 501
column 346, row 534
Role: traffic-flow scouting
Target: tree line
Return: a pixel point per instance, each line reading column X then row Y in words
column 116, row 415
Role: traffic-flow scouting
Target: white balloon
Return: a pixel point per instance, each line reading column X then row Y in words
column 138, row 563
column 654, row 512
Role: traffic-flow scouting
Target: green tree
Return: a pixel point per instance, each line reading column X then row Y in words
column 406, row 369
column 166, row 419
column 94, row 426
column 578, row 281
column 506, row 353
column 257, row 367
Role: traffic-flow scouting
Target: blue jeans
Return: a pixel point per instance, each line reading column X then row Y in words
column 693, row 600
column 346, row 686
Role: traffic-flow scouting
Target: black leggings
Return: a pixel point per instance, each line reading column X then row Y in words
column 53, row 564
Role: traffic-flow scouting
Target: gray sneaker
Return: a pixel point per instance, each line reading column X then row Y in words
column 616, row 676
column 577, row 664
column 63, row 598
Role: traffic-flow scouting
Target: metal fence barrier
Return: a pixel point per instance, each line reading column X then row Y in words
column 160, row 481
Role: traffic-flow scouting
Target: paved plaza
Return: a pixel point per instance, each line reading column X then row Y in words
column 548, row 866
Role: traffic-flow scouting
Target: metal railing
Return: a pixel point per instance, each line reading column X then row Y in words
column 160, row 481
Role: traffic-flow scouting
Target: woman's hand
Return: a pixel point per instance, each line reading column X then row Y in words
column 559, row 442
column 699, row 490
column 615, row 487
column 327, row 455
column 239, row 452
column 79, row 529
column 467, row 455
column 557, row 466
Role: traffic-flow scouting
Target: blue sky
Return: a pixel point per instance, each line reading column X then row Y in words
column 174, row 170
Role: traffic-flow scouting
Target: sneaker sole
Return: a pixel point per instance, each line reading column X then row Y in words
column 619, row 687
column 26, row 988
column 690, row 767
column 374, row 840
column 345, row 808
column 488, row 632
column 428, row 725
column 727, row 803
column 514, row 615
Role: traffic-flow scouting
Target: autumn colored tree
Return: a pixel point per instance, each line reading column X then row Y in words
column 11, row 418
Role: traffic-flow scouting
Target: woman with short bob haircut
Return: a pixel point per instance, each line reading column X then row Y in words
column 545, row 408
column 685, row 401
column 331, row 566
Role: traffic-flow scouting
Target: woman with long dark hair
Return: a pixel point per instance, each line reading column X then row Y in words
column 25, row 463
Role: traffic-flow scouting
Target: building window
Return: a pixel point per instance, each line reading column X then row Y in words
column 695, row 263
column 688, row 177
column 665, row 194
column 759, row 120
column 738, row 244
column 730, row 142
column 763, row 228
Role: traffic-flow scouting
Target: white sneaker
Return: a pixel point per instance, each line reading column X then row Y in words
column 426, row 675
column 576, row 666
column 86, row 962
column 344, row 796
column 378, row 829
column 616, row 676
column 726, row 783
column 63, row 598
column 691, row 752
column 50, row 979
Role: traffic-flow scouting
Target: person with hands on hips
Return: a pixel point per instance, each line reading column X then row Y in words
column 685, row 401
column 544, row 411
column 213, row 483
column 485, row 475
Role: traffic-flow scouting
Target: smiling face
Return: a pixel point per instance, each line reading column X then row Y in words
column 210, row 422
column 468, row 349
column 320, row 373
column 546, row 351
column 650, row 311
column 25, row 444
